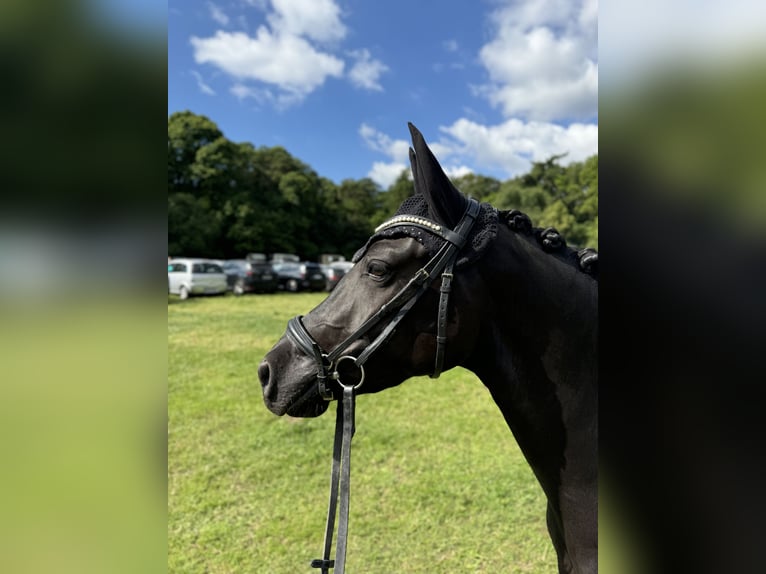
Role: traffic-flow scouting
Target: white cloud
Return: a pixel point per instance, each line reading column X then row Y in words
column 217, row 14
column 242, row 91
column 397, row 150
column 470, row 147
column 385, row 174
column 281, row 100
column 203, row 87
column 315, row 19
column 366, row 72
column 454, row 172
column 288, row 62
column 512, row 145
column 542, row 61
column 290, row 55
column 450, row 45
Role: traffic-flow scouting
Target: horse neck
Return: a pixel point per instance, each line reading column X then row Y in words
column 536, row 353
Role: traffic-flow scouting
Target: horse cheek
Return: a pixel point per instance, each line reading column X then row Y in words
column 423, row 352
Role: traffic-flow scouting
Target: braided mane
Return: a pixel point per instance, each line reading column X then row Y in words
column 551, row 241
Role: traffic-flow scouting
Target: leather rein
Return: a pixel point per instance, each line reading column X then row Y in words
column 441, row 264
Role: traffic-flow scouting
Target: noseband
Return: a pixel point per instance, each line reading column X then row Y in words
column 442, row 263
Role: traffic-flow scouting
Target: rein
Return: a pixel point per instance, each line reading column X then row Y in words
column 441, row 264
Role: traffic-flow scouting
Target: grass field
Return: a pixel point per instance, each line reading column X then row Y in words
column 438, row 483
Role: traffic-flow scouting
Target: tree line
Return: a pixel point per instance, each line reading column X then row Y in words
column 226, row 199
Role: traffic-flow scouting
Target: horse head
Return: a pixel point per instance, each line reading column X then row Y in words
column 389, row 301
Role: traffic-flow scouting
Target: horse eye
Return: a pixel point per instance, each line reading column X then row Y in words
column 377, row 269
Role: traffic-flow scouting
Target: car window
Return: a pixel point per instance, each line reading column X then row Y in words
column 213, row 268
column 177, row 267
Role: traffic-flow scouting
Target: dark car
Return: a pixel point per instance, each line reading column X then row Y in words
column 302, row 276
column 335, row 271
column 245, row 276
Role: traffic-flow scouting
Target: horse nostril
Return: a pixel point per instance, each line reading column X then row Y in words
column 264, row 373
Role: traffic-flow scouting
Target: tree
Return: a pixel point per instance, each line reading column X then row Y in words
column 480, row 187
column 556, row 196
column 226, row 199
column 353, row 206
column 277, row 161
column 192, row 226
column 389, row 200
column 187, row 134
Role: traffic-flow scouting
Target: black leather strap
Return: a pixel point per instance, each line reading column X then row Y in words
column 441, row 324
column 391, row 327
column 340, row 482
column 297, row 332
column 325, row 563
column 345, row 479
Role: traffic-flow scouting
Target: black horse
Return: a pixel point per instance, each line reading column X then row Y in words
column 449, row 282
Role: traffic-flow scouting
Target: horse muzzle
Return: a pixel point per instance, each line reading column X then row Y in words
column 288, row 383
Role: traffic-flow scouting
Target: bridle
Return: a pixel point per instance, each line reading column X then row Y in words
column 441, row 264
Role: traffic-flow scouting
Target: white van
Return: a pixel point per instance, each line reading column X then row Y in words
column 195, row 277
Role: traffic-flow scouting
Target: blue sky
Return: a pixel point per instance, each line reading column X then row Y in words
column 491, row 84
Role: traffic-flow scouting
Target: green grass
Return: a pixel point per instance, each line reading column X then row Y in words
column 438, row 483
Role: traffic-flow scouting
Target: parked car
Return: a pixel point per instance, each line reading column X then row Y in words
column 334, row 272
column 245, row 276
column 327, row 258
column 300, row 276
column 257, row 257
column 285, row 258
column 187, row 276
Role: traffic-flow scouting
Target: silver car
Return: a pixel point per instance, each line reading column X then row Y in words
column 195, row 277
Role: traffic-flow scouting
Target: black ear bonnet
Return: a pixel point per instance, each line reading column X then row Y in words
column 437, row 201
column 482, row 234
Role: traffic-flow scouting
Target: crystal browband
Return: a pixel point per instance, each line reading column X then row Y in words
column 404, row 219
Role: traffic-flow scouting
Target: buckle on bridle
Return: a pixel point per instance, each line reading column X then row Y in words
column 330, row 370
column 324, row 390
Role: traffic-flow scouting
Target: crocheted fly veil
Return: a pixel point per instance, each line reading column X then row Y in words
column 436, row 199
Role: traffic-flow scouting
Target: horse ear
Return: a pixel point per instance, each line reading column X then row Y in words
column 417, row 177
column 445, row 202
